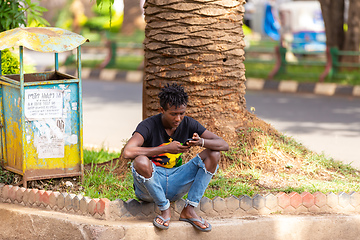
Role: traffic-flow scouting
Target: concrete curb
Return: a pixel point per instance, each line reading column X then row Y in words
column 293, row 203
column 19, row 222
column 328, row 89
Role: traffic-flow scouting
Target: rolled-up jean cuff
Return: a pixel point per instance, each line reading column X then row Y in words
column 188, row 202
column 163, row 208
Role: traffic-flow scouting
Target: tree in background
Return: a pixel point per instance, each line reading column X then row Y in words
column 77, row 9
column 133, row 18
column 352, row 35
column 53, row 8
column 337, row 35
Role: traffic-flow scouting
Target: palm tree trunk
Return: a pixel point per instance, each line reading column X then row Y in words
column 333, row 15
column 198, row 44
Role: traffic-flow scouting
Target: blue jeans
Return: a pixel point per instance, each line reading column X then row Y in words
column 171, row 184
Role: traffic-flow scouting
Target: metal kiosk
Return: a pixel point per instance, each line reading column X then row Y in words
column 41, row 113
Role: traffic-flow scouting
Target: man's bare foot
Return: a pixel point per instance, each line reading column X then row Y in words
column 189, row 212
column 165, row 215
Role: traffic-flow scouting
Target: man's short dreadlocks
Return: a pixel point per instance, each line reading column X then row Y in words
column 173, row 95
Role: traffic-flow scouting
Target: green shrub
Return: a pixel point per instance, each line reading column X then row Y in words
column 16, row 13
column 9, row 63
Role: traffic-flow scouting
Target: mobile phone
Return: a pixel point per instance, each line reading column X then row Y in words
column 187, row 140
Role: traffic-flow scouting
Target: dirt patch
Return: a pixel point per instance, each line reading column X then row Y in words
column 69, row 184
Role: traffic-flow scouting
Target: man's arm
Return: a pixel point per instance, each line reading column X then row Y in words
column 134, row 148
column 209, row 140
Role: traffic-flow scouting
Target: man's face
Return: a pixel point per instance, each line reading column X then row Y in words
column 173, row 116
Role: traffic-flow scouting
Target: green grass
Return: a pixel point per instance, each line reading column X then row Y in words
column 96, row 38
column 137, row 37
column 300, row 73
column 98, row 156
column 122, row 63
column 100, row 183
column 233, row 181
column 223, row 186
column 258, row 70
column 127, row 62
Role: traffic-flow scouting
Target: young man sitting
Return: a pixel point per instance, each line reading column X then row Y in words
column 156, row 147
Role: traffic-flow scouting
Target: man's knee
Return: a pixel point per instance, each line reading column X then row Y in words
column 143, row 166
column 211, row 159
column 211, row 156
column 215, row 156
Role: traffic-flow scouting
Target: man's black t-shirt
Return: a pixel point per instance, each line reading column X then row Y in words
column 154, row 135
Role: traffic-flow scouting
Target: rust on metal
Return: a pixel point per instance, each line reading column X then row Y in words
column 43, row 39
column 41, row 114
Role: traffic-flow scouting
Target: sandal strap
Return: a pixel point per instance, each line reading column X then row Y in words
column 164, row 220
column 202, row 221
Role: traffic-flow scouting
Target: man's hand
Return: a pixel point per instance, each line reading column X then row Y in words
column 209, row 140
column 196, row 140
column 176, row 147
column 133, row 148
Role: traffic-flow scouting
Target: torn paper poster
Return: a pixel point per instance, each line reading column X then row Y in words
column 43, row 103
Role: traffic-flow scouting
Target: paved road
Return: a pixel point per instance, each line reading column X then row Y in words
column 323, row 124
column 111, row 112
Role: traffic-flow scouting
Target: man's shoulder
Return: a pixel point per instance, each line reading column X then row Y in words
column 190, row 122
column 146, row 126
column 194, row 123
column 189, row 119
column 154, row 118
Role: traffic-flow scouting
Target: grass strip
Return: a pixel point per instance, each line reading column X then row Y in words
column 276, row 164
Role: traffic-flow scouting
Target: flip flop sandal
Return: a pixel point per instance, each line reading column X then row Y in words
column 192, row 222
column 161, row 226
